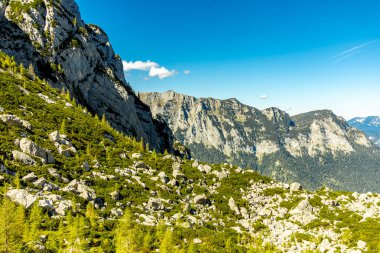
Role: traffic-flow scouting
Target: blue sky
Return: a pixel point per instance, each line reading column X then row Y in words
column 297, row 55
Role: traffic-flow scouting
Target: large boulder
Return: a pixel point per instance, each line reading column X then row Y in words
column 21, row 197
column 12, row 120
column 31, row 148
column 24, row 158
column 80, row 188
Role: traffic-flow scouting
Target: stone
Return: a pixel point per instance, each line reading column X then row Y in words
column 233, row 207
column 163, row 177
column 21, row 197
column 115, row 195
column 80, row 188
column 136, row 156
column 31, row 177
column 197, row 241
column 207, row 168
column 46, row 204
column 12, row 120
column 361, row 245
column 24, row 158
column 2, row 179
column 86, row 166
column 195, row 164
column 295, row 187
column 63, row 206
column 40, row 182
column 5, row 170
column 202, row 200
column 155, row 204
column 140, row 165
column 31, row 148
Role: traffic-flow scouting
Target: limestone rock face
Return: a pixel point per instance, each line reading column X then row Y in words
column 270, row 141
column 60, row 47
column 12, row 120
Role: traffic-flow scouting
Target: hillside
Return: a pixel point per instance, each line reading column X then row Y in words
column 316, row 148
column 369, row 125
column 50, row 38
column 81, row 186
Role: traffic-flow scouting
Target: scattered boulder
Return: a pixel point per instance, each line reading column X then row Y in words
column 31, row 148
column 233, row 206
column 86, row 166
column 136, row 156
column 163, row 177
column 155, row 204
column 197, row 241
column 2, row 179
column 63, row 206
column 24, row 158
column 140, row 165
column 80, row 188
column 40, row 182
column 31, row 177
column 115, row 195
column 5, row 170
column 46, row 204
column 195, row 164
column 62, row 143
column 295, row 187
column 12, row 120
column 21, row 197
column 202, row 200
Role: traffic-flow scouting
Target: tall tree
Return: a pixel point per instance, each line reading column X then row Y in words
column 12, row 220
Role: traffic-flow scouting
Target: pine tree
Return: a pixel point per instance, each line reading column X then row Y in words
column 167, row 243
column 91, row 214
column 63, row 129
column 12, row 220
column 125, row 237
column 34, row 223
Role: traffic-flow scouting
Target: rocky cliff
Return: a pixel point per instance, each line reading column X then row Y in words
column 316, row 148
column 50, row 39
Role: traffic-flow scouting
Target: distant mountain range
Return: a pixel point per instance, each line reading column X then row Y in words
column 316, row 148
column 369, row 125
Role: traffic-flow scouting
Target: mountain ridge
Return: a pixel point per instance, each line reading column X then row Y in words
column 271, row 141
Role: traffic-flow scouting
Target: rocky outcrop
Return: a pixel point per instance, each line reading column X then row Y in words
column 51, row 38
column 270, row 141
column 12, row 120
column 21, row 197
column 31, row 148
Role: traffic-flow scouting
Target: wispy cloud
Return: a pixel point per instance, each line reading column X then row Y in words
column 263, row 97
column 154, row 69
column 351, row 52
column 186, row 72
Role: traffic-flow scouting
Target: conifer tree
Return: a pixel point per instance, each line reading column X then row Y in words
column 125, row 237
column 167, row 242
column 11, row 226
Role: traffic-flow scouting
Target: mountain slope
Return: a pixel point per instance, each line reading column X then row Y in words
column 82, row 186
column 316, row 148
column 369, row 125
column 51, row 39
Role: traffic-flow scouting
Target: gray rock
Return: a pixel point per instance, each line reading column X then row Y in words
column 295, row 187
column 136, row 156
column 21, row 197
column 197, row 241
column 233, row 206
column 40, row 182
column 31, row 148
column 12, row 120
column 140, row 165
column 31, row 177
column 86, row 166
column 5, row 170
column 46, row 204
column 24, row 158
column 115, row 195
column 2, row 179
column 80, row 188
column 201, row 200
column 155, row 204
column 63, row 206
column 163, row 177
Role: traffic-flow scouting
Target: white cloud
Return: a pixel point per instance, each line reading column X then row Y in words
column 154, row 69
column 186, row 72
column 161, row 72
column 139, row 65
column 263, row 97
